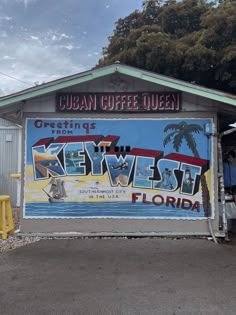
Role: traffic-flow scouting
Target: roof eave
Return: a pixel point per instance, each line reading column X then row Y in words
column 55, row 86
column 176, row 84
column 183, row 86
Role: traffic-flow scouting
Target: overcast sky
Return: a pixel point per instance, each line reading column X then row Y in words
column 42, row 40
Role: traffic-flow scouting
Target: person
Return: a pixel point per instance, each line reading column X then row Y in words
column 167, row 180
column 188, row 182
column 229, row 169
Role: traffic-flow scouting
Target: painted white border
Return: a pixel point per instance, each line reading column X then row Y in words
column 213, row 212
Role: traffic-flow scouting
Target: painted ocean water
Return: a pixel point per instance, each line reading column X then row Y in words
column 107, row 210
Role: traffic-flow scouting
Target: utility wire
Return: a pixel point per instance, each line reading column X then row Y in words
column 7, row 75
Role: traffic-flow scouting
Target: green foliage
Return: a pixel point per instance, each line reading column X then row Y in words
column 182, row 17
column 192, row 40
column 132, row 21
column 151, row 10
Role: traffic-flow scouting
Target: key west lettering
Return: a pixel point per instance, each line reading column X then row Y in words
column 54, row 158
column 118, row 102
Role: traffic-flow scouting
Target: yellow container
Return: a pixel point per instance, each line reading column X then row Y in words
column 6, row 219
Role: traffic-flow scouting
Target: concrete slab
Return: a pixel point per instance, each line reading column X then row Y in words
column 119, row 276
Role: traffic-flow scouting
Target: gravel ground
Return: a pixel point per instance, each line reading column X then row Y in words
column 13, row 242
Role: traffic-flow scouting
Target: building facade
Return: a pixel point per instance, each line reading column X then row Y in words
column 10, row 159
column 122, row 151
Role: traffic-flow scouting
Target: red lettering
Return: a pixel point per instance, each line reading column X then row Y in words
column 135, row 197
column 91, row 102
column 122, row 101
column 75, row 102
column 146, row 101
column 144, row 199
column 196, row 206
column 170, row 201
column 161, row 102
column 174, row 102
column 186, row 204
column 178, row 202
column 156, row 203
column 62, row 102
column 103, row 102
column 116, row 102
column 154, row 103
column 83, row 102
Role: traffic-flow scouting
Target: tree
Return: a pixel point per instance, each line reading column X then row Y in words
column 180, row 18
column 192, row 40
column 184, row 131
column 151, row 10
column 132, row 21
column 219, row 35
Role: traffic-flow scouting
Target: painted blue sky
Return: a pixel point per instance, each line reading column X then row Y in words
column 150, row 138
column 42, row 40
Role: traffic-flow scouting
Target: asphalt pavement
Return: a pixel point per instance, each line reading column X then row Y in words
column 119, row 276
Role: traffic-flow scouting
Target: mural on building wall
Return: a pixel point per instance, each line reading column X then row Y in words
column 118, row 168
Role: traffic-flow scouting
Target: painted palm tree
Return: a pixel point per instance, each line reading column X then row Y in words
column 184, row 131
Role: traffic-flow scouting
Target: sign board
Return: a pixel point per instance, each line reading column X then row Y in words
column 118, row 102
column 118, row 168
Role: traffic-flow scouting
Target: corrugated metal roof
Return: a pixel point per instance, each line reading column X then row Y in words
column 86, row 76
